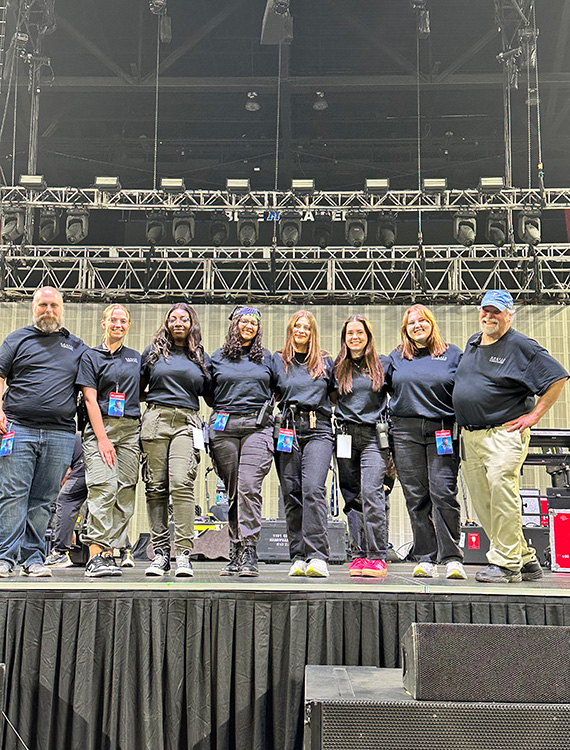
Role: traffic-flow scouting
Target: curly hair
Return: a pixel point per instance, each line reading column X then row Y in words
column 316, row 356
column 232, row 347
column 344, row 366
column 163, row 344
column 435, row 345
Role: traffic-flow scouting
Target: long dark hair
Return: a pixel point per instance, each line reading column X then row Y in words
column 163, row 343
column 344, row 366
column 315, row 357
column 232, row 347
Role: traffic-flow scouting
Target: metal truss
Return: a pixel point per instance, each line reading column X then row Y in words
column 266, row 202
column 332, row 276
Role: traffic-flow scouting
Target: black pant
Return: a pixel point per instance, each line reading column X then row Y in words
column 363, row 474
column 302, row 474
column 243, row 454
column 429, row 483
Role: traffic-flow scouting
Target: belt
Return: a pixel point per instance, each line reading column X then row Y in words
column 474, row 428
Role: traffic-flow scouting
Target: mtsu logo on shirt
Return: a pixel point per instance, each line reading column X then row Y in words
column 66, row 346
column 498, row 360
column 131, row 359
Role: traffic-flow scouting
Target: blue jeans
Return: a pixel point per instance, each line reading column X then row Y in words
column 302, row 474
column 363, row 475
column 429, row 484
column 30, row 480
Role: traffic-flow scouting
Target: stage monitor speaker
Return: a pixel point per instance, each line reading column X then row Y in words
column 507, row 663
column 475, row 544
column 353, row 708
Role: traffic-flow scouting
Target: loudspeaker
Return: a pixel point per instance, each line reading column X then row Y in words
column 352, row 708
column 507, row 663
column 273, row 544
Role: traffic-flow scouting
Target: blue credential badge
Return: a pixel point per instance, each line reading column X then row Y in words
column 221, row 421
column 116, row 405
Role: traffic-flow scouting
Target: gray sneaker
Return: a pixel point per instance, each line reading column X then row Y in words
column 5, row 569
column 36, row 570
column 59, row 560
column 183, row 565
column 159, row 566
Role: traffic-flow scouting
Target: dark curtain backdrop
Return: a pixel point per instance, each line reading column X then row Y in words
column 108, row 670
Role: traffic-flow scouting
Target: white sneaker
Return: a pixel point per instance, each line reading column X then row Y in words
column 183, row 566
column 36, row 570
column 454, row 569
column 298, row 568
column 317, row 568
column 425, row 570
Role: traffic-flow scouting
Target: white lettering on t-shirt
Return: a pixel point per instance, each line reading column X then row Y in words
column 66, row 346
column 498, row 360
column 443, row 359
column 131, row 359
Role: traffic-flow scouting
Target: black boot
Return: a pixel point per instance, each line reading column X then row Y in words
column 249, row 561
column 234, row 566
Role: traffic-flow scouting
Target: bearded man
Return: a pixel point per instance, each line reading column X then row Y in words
column 39, row 364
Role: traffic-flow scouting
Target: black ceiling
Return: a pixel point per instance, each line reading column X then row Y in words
column 97, row 103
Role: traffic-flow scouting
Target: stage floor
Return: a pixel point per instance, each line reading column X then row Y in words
column 274, row 578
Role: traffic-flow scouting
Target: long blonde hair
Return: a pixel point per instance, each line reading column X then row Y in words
column 315, row 356
column 435, row 343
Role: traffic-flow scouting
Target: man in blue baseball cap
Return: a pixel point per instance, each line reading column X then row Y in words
column 496, row 382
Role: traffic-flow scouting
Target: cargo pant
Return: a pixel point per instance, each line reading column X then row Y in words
column 170, row 463
column 111, row 489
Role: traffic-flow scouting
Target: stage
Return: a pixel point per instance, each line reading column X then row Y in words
column 213, row 662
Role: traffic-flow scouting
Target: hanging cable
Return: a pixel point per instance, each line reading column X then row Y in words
column 528, row 112
column 277, row 140
column 154, row 167
column 538, row 118
column 15, row 123
column 419, row 131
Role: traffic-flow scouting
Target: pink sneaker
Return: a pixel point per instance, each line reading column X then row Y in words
column 374, row 569
column 355, row 567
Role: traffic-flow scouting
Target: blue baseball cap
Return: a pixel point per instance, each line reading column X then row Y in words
column 499, row 299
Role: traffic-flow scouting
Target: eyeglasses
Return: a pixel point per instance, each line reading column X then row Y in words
column 249, row 322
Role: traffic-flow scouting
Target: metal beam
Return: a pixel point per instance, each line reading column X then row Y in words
column 466, row 56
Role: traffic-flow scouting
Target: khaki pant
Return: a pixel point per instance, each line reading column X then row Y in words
column 491, row 464
column 170, row 463
column 111, row 489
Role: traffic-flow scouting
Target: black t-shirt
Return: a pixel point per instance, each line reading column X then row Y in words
column 362, row 404
column 40, row 370
column 174, row 381
column 240, row 386
column 295, row 387
column 112, row 372
column 423, row 386
column 497, row 382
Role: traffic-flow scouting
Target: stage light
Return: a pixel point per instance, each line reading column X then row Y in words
column 322, row 231
column 496, row 230
column 183, row 227
column 320, row 103
column 237, row 186
column 107, row 184
column 48, row 225
column 377, row 186
column 247, row 228
column 219, row 229
column 387, row 229
column 252, row 105
column 155, row 228
column 290, row 228
column 491, row 184
column 434, row 184
column 530, row 227
column 77, row 225
column 172, row 184
column 13, row 222
column 465, row 228
column 356, row 229
column 303, row 187
column 33, row 181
